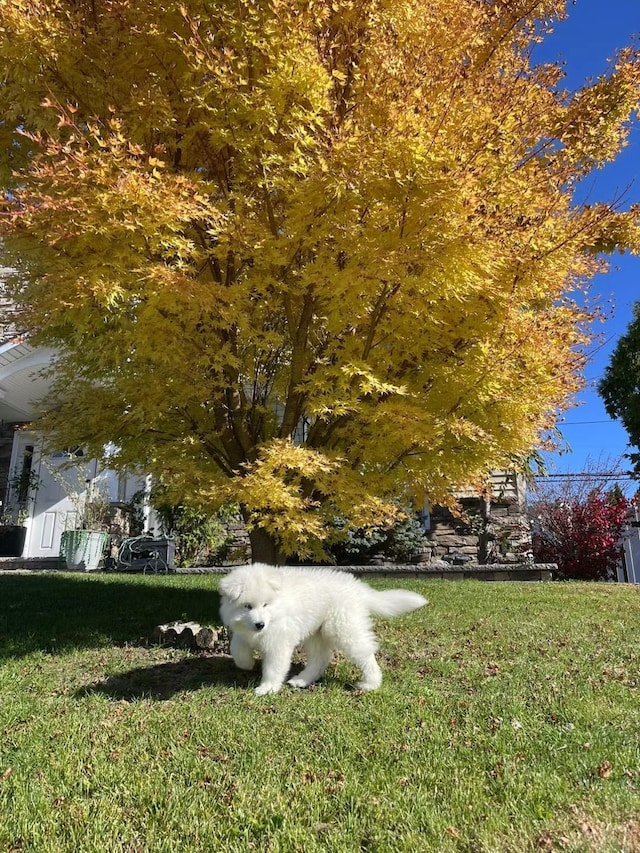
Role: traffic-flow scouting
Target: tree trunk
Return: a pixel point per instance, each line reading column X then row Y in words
column 264, row 548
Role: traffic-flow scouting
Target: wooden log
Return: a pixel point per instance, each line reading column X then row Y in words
column 206, row 638
column 187, row 635
column 159, row 634
column 186, row 631
column 170, row 636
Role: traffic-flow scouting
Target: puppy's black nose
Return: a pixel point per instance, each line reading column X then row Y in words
column 259, row 626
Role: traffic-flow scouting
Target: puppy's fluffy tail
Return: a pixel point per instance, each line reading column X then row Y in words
column 394, row 602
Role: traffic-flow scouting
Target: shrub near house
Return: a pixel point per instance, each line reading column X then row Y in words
column 582, row 535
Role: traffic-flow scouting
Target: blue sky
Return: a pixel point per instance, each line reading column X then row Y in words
column 583, row 43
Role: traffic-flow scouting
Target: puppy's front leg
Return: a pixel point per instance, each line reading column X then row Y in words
column 275, row 668
column 241, row 652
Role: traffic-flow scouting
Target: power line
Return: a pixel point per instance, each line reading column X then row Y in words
column 590, row 474
column 587, row 478
column 581, row 423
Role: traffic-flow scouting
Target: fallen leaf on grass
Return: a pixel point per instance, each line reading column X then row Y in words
column 591, row 830
column 545, row 840
column 604, row 771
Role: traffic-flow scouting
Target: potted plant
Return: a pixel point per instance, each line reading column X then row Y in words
column 20, row 487
column 84, row 546
column 83, row 549
column 13, row 532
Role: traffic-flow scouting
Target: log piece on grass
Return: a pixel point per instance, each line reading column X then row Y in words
column 206, row 638
column 187, row 635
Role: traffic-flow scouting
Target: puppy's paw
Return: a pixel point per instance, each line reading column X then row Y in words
column 267, row 687
column 367, row 686
column 296, row 681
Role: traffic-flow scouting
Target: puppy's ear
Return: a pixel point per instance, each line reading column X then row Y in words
column 231, row 586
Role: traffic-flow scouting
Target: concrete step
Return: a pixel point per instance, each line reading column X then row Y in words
column 33, row 564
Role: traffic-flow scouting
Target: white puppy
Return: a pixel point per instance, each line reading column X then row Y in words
column 272, row 610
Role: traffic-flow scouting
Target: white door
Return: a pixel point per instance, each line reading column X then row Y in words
column 64, row 481
column 50, row 509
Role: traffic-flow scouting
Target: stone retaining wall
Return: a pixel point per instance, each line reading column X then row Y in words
column 427, row 571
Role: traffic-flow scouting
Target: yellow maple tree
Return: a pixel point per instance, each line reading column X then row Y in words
column 304, row 255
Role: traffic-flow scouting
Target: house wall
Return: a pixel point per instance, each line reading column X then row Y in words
column 629, row 569
column 492, row 528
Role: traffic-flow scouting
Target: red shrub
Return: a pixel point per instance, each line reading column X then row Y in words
column 582, row 535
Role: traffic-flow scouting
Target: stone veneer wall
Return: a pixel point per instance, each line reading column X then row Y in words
column 492, row 528
column 240, row 548
column 485, row 533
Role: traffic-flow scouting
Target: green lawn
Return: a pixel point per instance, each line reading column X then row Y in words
column 508, row 720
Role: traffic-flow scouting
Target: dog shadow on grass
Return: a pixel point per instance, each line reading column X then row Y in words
column 172, row 678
